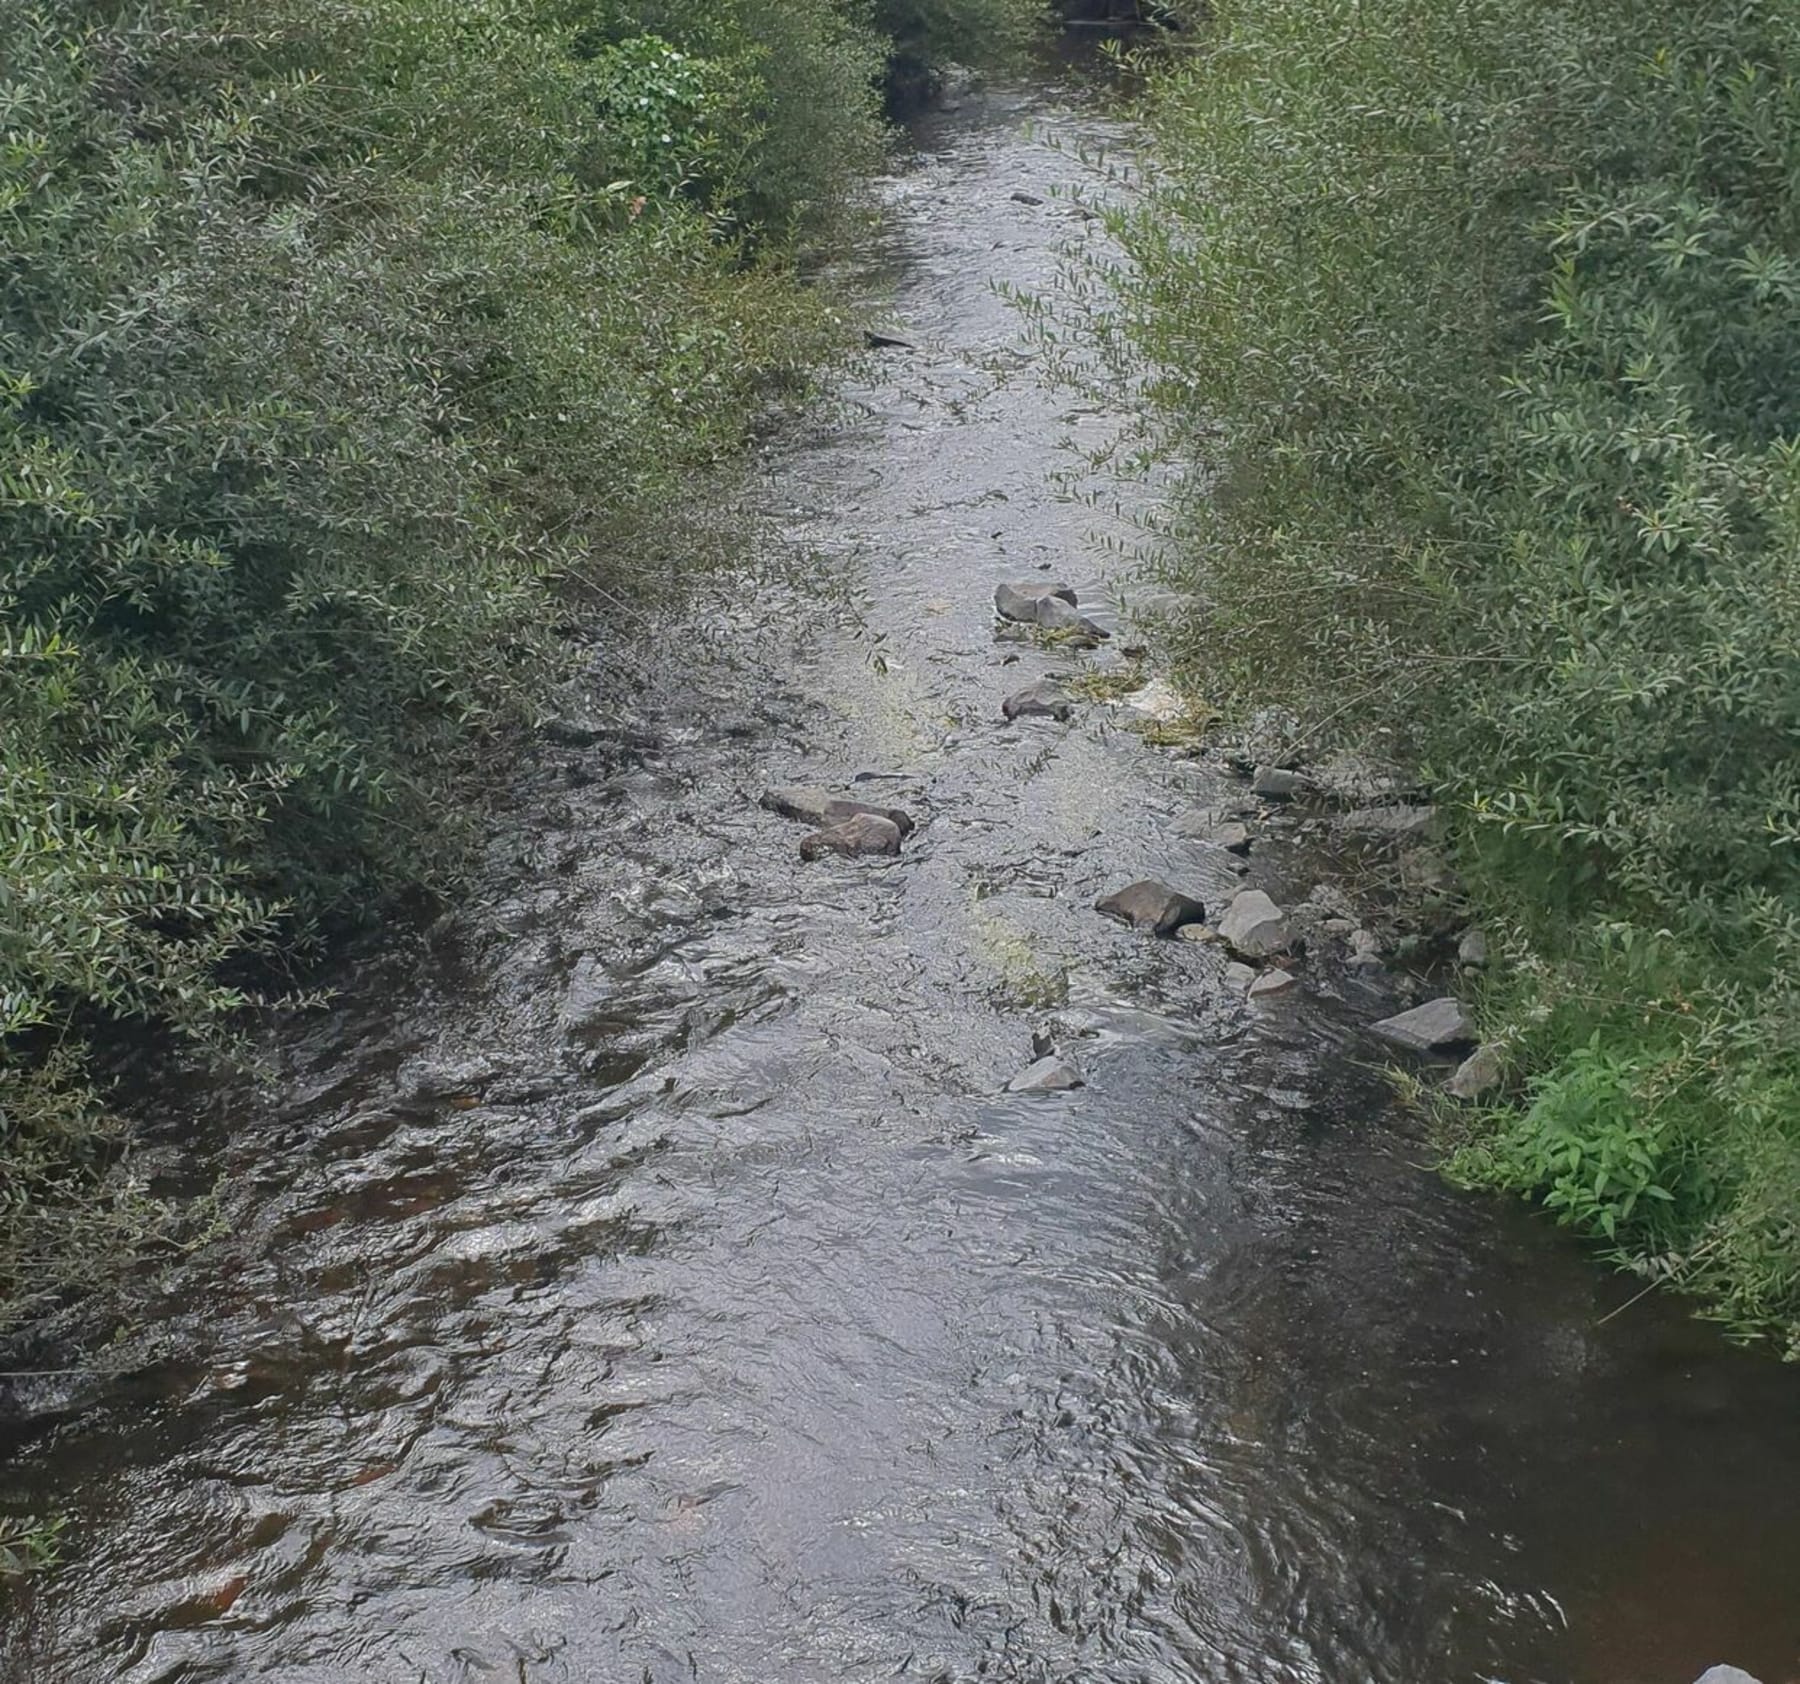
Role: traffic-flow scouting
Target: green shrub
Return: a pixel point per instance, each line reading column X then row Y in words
column 1479, row 319
column 336, row 340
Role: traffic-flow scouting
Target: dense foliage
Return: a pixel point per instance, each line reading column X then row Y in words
column 1480, row 317
column 335, row 337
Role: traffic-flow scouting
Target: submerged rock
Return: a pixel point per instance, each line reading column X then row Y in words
column 1150, row 905
column 1437, row 1026
column 812, row 805
column 1477, row 1073
column 1241, row 978
column 1021, row 601
column 866, row 833
column 1254, row 927
column 1043, row 700
column 1272, row 983
column 1048, row 1075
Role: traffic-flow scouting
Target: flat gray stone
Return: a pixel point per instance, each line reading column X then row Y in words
column 1472, row 950
column 1239, row 978
column 1020, row 601
column 812, row 805
column 1048, row 1075
column 1476, row 1075
column 866, row 833
column 1254, row 927
column 1273, row 983
column 1398, row 823
column 1043, row 700
column 1277, row 783
column 1154, row 906
column 1437, row 1026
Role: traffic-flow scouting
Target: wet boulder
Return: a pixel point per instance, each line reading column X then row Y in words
column 1438, row 1026
column 865, row 833
column 1049, row 1075
column 1021, row 602
column 1254, row 927
column 812, row 805
column 1054, row 614
column 1152, row 906
column 1043, row 700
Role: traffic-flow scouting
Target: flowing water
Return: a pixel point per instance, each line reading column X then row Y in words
column 641, row 1275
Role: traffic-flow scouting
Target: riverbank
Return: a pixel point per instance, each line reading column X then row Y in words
column 1471, row 331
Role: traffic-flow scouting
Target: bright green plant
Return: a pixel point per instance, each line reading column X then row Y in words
column 29, row 1546
column 336, row 344
column 1478, row 320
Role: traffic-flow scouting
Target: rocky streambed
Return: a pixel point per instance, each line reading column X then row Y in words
column 887, row 1176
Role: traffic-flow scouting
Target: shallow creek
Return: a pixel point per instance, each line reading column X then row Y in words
column 641, row 1275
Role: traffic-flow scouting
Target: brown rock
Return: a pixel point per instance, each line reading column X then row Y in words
column 865, row 833
column 1150, row 905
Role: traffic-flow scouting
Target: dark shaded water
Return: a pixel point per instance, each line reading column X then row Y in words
column 642, row 1277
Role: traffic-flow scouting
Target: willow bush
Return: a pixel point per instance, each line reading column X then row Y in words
column 336, row 337
column 1478, row 319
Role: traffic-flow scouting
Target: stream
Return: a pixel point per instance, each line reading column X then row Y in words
column 642, row 1275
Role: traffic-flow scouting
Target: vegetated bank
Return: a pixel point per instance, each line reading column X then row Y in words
column 1481, row 320
column 338, row 344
